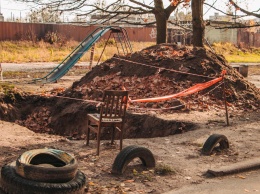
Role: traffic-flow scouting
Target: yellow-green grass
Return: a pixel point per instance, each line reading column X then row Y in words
column 27, row 51
column 234, row 54
column 245, row 58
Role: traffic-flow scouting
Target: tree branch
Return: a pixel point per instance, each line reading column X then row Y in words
column 218, row 10
column 143, row 5
column 249, row 13
column 176, row 24
column 171, row 8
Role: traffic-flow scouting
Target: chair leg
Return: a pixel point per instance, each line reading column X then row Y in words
column 98, row 139
column 121, row 136
column 113, row 135
column 88, row 132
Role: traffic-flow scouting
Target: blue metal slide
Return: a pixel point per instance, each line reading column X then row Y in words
column 75, row 55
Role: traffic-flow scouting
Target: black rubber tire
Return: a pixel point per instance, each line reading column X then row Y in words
column 128, row 154
column 12, row 183
column 212, row 141
column 47, row 165
column 2, row 191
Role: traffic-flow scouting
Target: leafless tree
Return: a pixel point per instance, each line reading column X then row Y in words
column 44, row 14
column 121, row 10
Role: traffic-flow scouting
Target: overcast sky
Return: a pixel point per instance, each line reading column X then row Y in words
column 17, row 9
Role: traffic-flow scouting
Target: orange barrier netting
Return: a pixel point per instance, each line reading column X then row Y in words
column 191, row 90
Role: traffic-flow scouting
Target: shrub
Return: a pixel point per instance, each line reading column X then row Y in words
column 51, row 37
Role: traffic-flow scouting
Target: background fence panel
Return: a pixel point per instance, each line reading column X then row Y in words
column 37, row 31
column 29, row 31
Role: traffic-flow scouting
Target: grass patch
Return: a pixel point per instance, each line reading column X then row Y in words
column 243, row 58
column 28, row 51
column 8, row 92
column 163, row 169
column 234, row 54
column 6, row 87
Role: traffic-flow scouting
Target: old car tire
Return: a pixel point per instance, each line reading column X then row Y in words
column 212, row 141
column 128, row 154
column 46, row 165
column 12, row 183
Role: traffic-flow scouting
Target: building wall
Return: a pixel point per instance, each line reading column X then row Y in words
column 221, row 35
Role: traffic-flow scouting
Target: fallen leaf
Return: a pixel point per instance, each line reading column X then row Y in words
column 129, row 181
column 91, row 183
column 240, row 176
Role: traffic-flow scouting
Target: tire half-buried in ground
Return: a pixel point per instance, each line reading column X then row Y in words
column 46, row 165
column 128, row 154
column 213, row 141
column 12, row 183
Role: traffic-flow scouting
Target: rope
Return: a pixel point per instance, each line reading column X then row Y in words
column 156, row 109
column 213, row 89
column 198, row 75
column 77, row 99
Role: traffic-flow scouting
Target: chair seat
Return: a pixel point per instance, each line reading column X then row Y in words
column 96, row 117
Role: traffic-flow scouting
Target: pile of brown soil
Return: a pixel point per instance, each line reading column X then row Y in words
column 155, row 71
column 167, row 69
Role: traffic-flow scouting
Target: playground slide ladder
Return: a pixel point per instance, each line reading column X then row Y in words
column 77, row 53
column 121, row 37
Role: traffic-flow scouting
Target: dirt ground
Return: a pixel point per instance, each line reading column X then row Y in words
column 155, row 71
column 180, row 153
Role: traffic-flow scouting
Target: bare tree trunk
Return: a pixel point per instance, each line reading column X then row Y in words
column 161, row 27
column 161, row 21
column 162, row 15
column 198, row 22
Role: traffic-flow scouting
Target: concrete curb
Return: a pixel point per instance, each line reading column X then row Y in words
column 243, row 166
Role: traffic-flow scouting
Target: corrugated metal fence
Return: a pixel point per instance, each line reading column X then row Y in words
column 31, row 31
column 247, row 38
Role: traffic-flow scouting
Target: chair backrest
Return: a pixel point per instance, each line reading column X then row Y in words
column 114, row 104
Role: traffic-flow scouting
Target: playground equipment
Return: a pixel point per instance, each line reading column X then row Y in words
column 120, row 35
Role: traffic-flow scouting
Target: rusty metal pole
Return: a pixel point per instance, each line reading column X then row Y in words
column 92, row 53
column 225, row 99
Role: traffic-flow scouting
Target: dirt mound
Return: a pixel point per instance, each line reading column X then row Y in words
column 155, row 71
column 167, row 69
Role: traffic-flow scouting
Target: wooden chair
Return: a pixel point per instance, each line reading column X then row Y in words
column 112, row 114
